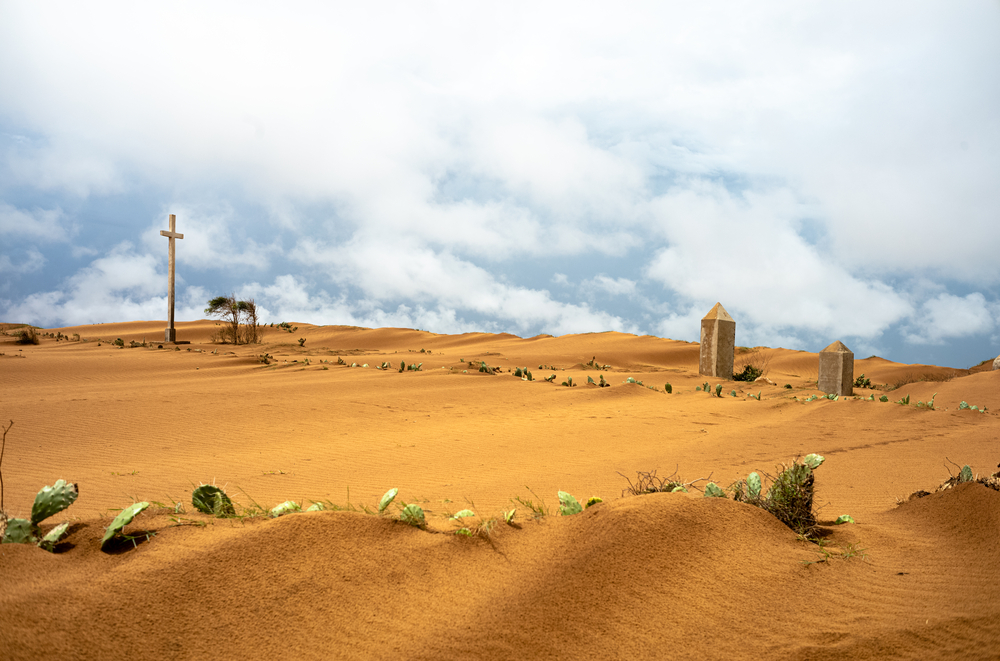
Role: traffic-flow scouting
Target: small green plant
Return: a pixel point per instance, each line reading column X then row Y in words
column 749, row 373
column 757, row 396
column 413, row 515
column 302, row 341
column 704, row 387
column 569, row 382
column 790, row 496
column 843, row 518
column 115, row 530
column 905, row 401
column 415, row 367
column 119, row 343
column 788, row 386
column 732, row 393
column 713, row 490
column 49, row 501
column 928, row 404
column 964, row 406
column 550, row 379
column 210, row 499
column 862, row 382
column 284, row 508
column 632, row 380
column 852, row 550
column 883, row 398
column 668, row 388
column 387, row 499
column 508, row 516
column 568, row 505
column 718, row 390
column 538, row 510
column 603, row 383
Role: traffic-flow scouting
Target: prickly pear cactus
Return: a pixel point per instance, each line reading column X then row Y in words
column 593, row 500
column 212, row 500
column 753, row 486
column 19, row 531
column 285, row 508
column 316, row 507
column 413, row 515
column 966, row 474
column 813, row 461
column 52, row 500
column 389, row 496
column 124, row 518
column 713, row 490
column 568, row 504
column 52, row 538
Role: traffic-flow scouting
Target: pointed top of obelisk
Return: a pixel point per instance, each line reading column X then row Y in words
column 718, row 312
column 837, row 347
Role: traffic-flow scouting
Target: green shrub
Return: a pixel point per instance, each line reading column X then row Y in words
column 862, row 382
column 789, row 497
column 749, row 373
column 668, row 388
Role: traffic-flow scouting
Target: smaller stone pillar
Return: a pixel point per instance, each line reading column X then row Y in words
column 718, row 344
column 996, row 363
column 836, row 370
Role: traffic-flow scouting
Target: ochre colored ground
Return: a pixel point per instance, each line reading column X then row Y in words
column 635, row 577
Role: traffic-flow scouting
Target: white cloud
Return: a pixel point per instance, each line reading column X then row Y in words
column 47, row 225
column 744, row 252
column 946, row 316
column 121, row 286
column 610, row 286
column 33, row 261
column 700, row 138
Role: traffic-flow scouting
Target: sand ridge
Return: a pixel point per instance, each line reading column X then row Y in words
column 631, row 577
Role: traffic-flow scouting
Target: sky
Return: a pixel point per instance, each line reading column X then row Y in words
column 826, row 170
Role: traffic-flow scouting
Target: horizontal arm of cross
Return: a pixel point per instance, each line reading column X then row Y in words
column 171, row 235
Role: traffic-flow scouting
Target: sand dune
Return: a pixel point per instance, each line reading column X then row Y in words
column 651, row 576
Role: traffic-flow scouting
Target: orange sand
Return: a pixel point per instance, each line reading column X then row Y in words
column 657, row 576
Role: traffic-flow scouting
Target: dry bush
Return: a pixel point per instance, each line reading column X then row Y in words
column 751, row 364
column 27, row 335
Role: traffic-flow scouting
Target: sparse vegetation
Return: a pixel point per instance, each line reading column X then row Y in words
column 27, row 335
column 751, row 364
column 242, row 325
column 789, row 497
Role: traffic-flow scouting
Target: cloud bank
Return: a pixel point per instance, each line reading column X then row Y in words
column 558, row 168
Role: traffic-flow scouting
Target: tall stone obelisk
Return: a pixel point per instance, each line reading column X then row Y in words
column 718, row 344
column 171, row 334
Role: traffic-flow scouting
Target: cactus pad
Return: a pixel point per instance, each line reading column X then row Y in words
column 966, row 474
column 286, row 507
column 52, row 500
column 413, row 515
column 123, row 519
column 753, row 486
column 212, row 500
column 19, row 531
column 50, row 540
column 389, row 496
column 568, row 504
column 713, row 490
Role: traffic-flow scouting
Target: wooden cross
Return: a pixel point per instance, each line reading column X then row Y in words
column 171, row 334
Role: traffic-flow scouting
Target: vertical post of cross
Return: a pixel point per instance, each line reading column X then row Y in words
column 170, row 334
